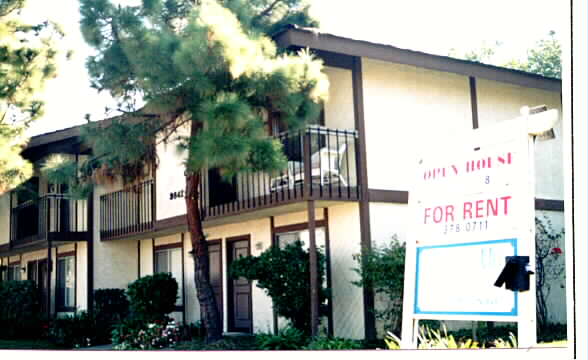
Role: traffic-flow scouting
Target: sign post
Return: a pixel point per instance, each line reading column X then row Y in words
column 472, row 206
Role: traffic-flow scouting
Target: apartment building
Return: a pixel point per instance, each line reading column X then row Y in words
column 347, row 182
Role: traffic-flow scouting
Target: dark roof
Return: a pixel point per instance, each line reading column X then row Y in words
column 71, row 133
column 307, row 38
column 54, row 136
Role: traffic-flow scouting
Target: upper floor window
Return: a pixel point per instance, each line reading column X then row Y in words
column 65, row 288
column 169, row 260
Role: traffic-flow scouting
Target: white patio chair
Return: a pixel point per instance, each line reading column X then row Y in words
column 325, row 166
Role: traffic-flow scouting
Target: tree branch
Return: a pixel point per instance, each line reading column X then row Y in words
column 268, row 10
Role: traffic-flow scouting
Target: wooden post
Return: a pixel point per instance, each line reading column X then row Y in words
column 90, row 253
column 314, row 298
column 362, row 183
column 49, row 270
column 307, row 165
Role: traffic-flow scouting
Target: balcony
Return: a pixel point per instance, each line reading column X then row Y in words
column 322, row 165
column 127, row 212
column 49, row 218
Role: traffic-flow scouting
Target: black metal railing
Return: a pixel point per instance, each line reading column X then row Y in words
column 56, row 217
column 128, row 211
column 322, row 164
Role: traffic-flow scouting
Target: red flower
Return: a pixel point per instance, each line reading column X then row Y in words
column 556, row 251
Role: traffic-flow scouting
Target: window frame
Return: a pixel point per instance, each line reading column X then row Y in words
column 276, row 231
column 168, row 248
column 14, row 268
column 60, row 299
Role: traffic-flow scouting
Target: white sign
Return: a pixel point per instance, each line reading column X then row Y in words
column 469, row 208
column 472, row 205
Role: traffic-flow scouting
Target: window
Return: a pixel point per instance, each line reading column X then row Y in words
column 14, row 272
column 65, row 289
column 170, row 261
column 286, row 238
column 303, row 236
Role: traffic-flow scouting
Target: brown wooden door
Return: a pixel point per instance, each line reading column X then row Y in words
column 215, row 272
column 239, row 290
column 41, row 280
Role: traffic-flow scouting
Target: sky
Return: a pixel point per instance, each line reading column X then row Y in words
column 429, row 26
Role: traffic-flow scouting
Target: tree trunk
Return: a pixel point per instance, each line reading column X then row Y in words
column 208, row 307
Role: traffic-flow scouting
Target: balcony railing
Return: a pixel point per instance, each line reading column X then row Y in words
column 322, row 164
column 128, row 211
column 51, row 217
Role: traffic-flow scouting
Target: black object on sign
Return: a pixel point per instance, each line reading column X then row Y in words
column 515, row 274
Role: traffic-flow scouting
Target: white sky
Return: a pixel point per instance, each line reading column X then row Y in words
column 425, row 25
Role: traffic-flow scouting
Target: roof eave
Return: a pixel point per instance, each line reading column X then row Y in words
column 295, row 37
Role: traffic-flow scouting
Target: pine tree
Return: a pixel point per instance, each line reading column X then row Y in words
column 28, row 55
column 209, row 66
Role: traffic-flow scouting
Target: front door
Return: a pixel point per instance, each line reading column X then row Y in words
column 215, row 273
column 37, row 272
column 239, row 290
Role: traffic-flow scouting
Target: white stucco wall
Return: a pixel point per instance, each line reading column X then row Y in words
column 170, row 177
column 146, row 257
column 499, row 102
column 115, row 262
column 339, row 112
column 296, row 218
column 386, row 221
column 345, row 241
column 404, row 106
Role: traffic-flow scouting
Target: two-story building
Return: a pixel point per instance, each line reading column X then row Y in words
column 347, row 183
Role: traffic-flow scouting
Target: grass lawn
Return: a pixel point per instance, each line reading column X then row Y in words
column 20, row 344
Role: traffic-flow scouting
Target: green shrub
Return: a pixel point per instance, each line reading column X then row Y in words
column 111, row 304
column 333, row 344
column 382, row 269
column 74, row 331
column 194, row 330
column 137, row 335
column 287, row 339
column 152, row 297
column 284, row 274
column 20, row 309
